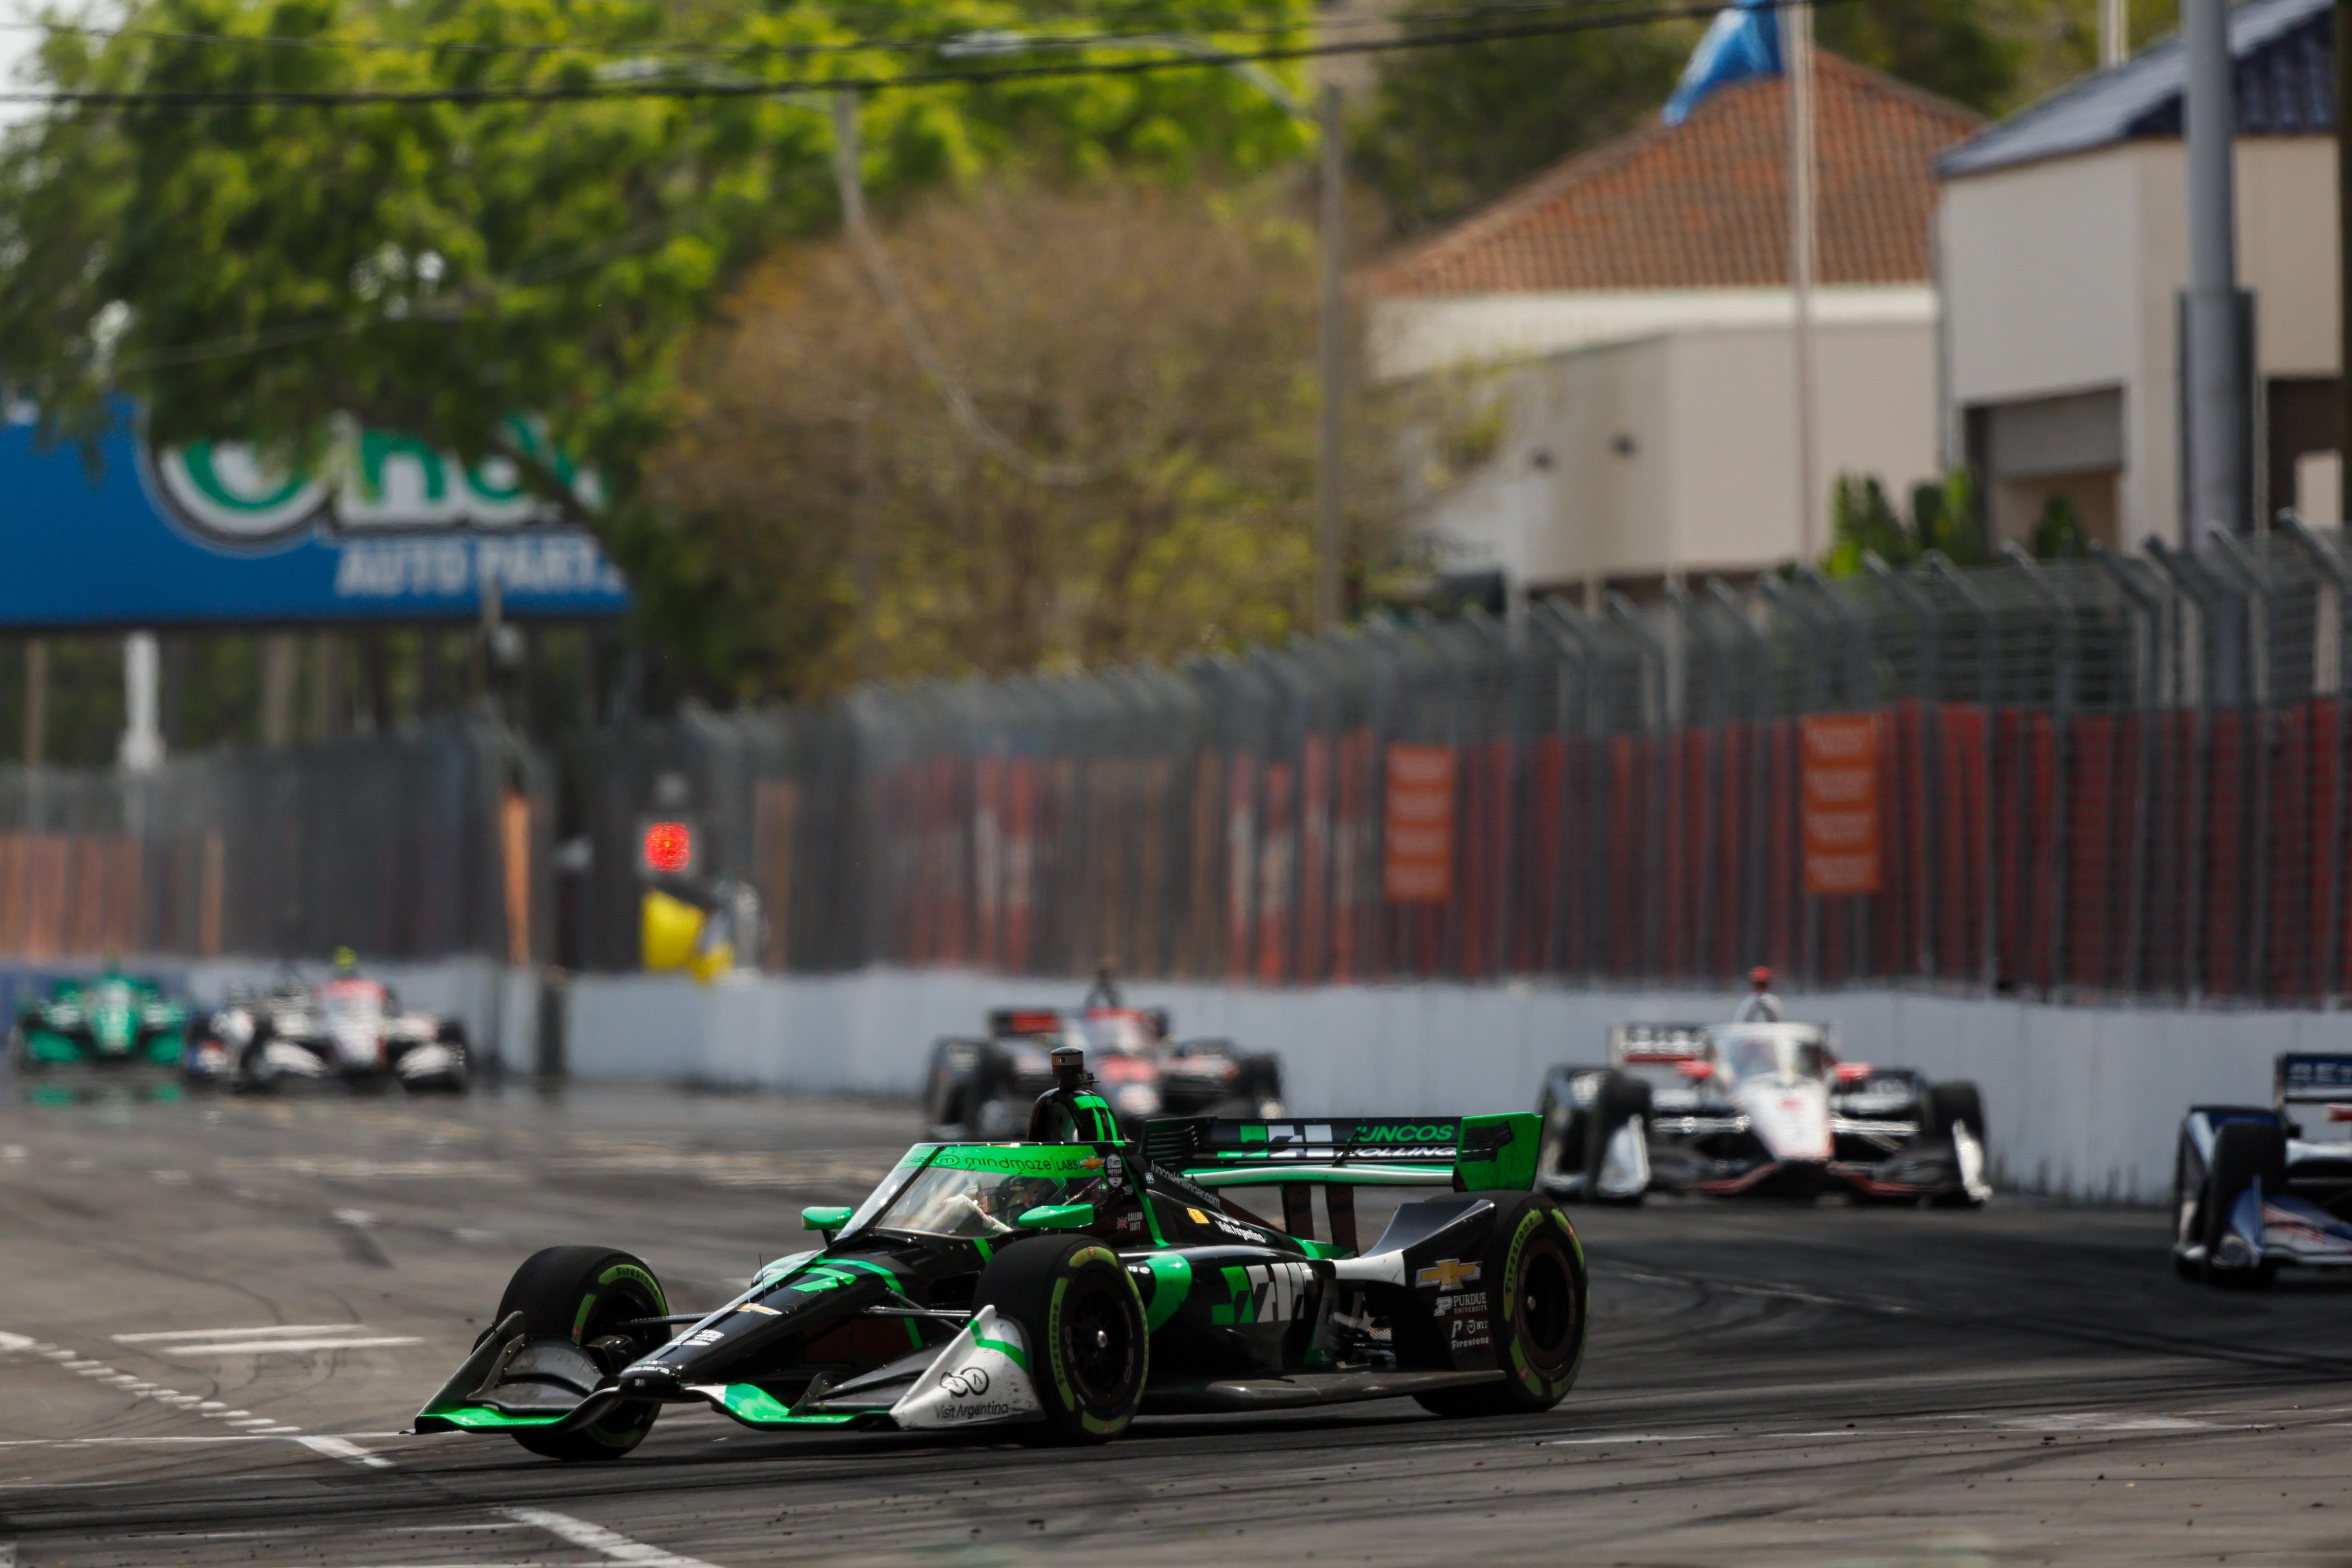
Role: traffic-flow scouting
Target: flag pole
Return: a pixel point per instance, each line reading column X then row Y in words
column 1797, row 33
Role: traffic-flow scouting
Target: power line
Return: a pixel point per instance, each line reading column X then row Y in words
column 982, row 39
column 764, row 88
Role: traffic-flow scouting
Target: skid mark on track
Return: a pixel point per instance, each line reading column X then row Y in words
column 595, row 1538
column 2149, row 1340
column 256, row 1426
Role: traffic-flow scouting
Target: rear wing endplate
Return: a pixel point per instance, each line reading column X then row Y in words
column 1468, row 1154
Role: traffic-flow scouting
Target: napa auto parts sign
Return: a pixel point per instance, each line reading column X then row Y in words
column 213, row 532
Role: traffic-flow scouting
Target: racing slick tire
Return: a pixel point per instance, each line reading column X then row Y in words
column 1090, row 1351
column 1619, row 1099
column 1950, row 1105
column 1536, row 1309
column 583, row 1294
column 2243, row 1151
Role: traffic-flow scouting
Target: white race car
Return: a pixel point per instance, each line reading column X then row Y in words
column 1756, row 1107
column 348, row 1029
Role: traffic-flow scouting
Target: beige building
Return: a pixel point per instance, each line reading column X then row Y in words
column 1627, row 318
column 2064, row 236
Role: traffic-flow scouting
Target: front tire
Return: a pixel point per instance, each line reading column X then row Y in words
column 1535, row 1310
column 2243, row 1152
column 1090, row 1351
column 583, row 1294
column 1951, row 1107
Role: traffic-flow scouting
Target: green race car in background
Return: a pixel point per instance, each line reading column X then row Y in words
column 108, row 1018
column 1058, row 1286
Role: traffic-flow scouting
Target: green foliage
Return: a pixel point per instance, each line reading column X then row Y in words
column 1452, row 127
column 1863, row 521
column 246, row 271
column 1954, row 48
column 1161, row 341
column 2058, row 532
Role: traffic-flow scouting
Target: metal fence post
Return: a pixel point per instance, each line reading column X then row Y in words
column 2331, row 566
column 2135, row 914
column 2260, row 683
column 2059, row 751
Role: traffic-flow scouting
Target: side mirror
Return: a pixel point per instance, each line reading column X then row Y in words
column 824, row 1219
column 1057, row 1217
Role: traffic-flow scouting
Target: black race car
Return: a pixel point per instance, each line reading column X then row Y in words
column 1057, row 1287
column 349, row 1029
column 2254, row 1186
column 981, row 1088
column 1763, row 1108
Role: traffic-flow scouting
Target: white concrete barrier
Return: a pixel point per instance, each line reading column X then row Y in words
column 2083, row 1102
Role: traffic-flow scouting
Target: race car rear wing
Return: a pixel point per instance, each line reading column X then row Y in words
column 2301, row 1078
column 1638, row 1042
column 1468, row 1154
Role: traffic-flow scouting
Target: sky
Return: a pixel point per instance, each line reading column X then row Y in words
column 14, row 46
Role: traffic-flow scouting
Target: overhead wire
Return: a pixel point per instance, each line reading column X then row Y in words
column 763, row 87
column 738, row 50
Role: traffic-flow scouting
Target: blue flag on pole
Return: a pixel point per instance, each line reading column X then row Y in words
column 1744, row 40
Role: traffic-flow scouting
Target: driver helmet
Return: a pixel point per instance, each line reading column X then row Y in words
column 347, row 963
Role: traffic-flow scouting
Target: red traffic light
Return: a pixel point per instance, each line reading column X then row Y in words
column 668, row 848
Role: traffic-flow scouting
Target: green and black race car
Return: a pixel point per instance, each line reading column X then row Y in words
column 108, row 1018
column 1060, row 1284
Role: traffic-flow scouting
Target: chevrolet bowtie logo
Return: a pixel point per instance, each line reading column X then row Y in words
column 1448, row 1274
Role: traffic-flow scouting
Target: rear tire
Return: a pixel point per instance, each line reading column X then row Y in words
column 1955, row 1104
column 1090, row 1351
column 2243, row 1152
column 1621, row 1100
column 581, row 1294
column 1535, row 1313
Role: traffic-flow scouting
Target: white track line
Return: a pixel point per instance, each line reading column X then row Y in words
column 340, row 1448
column 596, row 1538
column 293, row 1347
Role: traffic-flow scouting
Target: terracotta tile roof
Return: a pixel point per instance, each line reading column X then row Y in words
column 1704, row 204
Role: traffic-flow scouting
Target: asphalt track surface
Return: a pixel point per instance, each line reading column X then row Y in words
column 216, row 1315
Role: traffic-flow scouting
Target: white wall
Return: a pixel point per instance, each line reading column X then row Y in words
column 1413, row 334
column 2063, row 277
column 2082, row 1102
column 1678, row 451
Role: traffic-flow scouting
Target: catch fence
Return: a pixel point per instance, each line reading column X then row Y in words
column 419, row 846
column 2101, row 777
column 2105, row 776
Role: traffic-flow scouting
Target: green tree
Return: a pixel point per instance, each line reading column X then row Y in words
column 1953, row 49
column 1863, row 521
column 1452, row 127
column 823, row 517
column 243, row 272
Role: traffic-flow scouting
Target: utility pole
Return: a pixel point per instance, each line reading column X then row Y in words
column 2343, row 259
column 1798, row 21
column 2214, row 318
column 1329, row 502
column 141, row 747
column 37, row 702
column 848, row 154
column 2114, row 32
